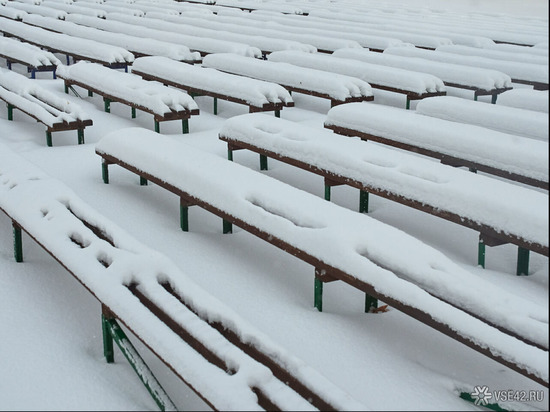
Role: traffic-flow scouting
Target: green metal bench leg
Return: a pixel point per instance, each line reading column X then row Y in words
column 108, row 349
column 107, row 104
column 105, row 171
column 481, row 254
column 523, row 262
column 90, row 93
column 229, row 154
column 408, row 104
column 327, row 192
column 475, row 97
column 157, row 126
column 263, row 162
column 49, row 138
column 494, row 98
column 80, row 133
column 370, row 303
column 10, row 111
column 66, row 88
column 227, row 227
column 363, row 201
column 142, row 181
column 185, row 126
column 159, row 395
column 133, row 112
column 17, row 242
column 215, row 105
column 318, row 294
column 277, row 113
column 184, row 217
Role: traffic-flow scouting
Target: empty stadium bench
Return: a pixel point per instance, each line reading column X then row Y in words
column 339, row 243
column 258, row 95
column 410, row 180
column 162, row 102
column 55, row 113
column 227, row 362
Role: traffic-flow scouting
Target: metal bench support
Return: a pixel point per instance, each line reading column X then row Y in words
column 80, row 133
column 523, row 262
column 215, row 105
column 113, row 332
column 105, row 171
column 49, row 138
column 185, row 126
column 263, row 162
column 17, row 242
column 10, row 112
column 363, row 201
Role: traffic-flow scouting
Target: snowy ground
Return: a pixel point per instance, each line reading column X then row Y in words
column 51, row 348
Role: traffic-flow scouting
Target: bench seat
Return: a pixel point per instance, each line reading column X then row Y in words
column 55, row 113
column 199, row 81
column 337, row 88
column 162, row 102
column 511, row 120
column 339, row 243
column 483, row 82
column 77, row 48
column 138, row 46
column 512, row 157
column 412, row 84
column 34, row 58
column 503, row 212
column 230, row 364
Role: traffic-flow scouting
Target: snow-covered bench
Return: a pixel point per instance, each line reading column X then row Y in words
column 77, row 48
column 55, row 113
column 341, row 245
column 532, row 74
column 200, row 44
column 512, row 120
column 413, row 181
column 258, row 95
column 528, row 99
column 138, row 46
column 34, row 58
column 483, row 82
column 509, row 156
column 162, row 102
column 337, row 88
column 227, row 362
column 414, row 85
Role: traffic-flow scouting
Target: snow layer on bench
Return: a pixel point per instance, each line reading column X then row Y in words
column 261, row 42
column 25, row 52
column 136, row 44
column 528, row 99
column 337, row 86
column 67, row 44
column 516, row 70
column 195, row 43
column 374, row 74
column 524, row 156
column 54, row 215
column 126, row 86
column 479, row 78
column 521, row 122
column 355, row 243
column 504, row 206
column 254, row 92
column 29, row 96
column 524, row 57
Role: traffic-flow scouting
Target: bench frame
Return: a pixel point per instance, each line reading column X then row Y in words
column 78, row 125
column 276, row 107
column 323, row 272
column 488, row 236
column 183, row 115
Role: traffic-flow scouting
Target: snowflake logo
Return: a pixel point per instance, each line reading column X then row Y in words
column 481, row 395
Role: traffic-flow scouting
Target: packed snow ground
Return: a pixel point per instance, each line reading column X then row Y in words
column 51, row 349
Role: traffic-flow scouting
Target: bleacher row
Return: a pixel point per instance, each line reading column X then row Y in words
column 257, row 54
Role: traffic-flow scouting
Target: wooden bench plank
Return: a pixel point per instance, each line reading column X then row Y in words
column 348, row 246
